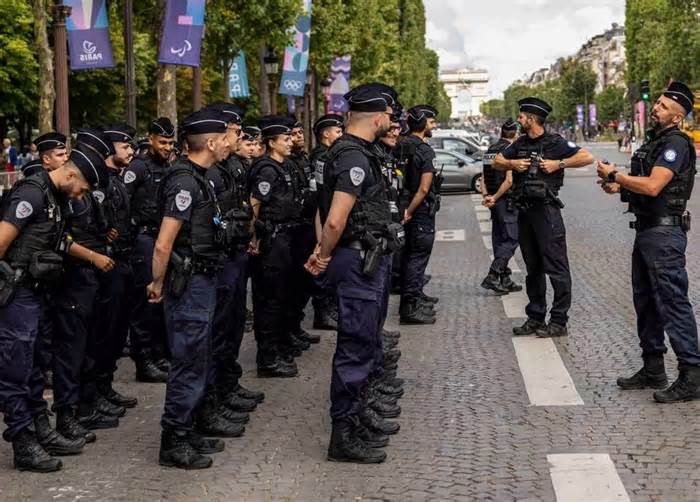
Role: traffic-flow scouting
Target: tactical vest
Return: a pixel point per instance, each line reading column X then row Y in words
column 493, row 179
column 87, row 221
column 393, row 179
column 412, row 176
column 283, row 207
column 317, row 162
column 553, row 181
column 306, row 181
column 200, row 237
column 119, row 209
column 44, row 233
column 371, row 210
column 144, row 204
column 673, row 198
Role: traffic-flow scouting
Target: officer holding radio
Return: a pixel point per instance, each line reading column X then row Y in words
column 538, row 159
column 657, row 189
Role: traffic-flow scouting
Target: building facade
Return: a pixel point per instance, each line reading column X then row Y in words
column 467, row 89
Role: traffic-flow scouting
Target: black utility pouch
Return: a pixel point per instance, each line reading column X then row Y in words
column 180, row 274
column 685, row 221
column 8, row 284
column 46, row 267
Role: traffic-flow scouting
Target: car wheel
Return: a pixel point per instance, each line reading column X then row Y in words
column 476, row 183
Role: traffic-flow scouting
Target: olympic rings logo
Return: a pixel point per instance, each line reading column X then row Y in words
column 292, row 85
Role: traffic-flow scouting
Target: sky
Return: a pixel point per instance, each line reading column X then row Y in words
column 511, row 38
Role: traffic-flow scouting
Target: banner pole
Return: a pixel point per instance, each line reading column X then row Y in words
column 60, row 13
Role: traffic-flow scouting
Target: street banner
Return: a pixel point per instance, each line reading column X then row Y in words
column 238, row 78
column 592, row 115
column 182, row 32
column 579, row 115
column 296, row 57
column 340, row 76
column 89, row 44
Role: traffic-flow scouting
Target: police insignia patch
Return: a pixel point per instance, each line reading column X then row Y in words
column 99, row 196
column 211, row 182
column 264, row 187
column 357, row 175
column 670, row 155
column 183, row 200
column 571, row 144
column 129, row 177
column 24, row 210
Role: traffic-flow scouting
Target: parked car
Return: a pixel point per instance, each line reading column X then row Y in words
column 462, row 173
column 460, row 144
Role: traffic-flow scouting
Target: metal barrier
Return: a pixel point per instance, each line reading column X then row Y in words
column 7, row 180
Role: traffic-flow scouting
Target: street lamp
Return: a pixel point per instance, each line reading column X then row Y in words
column 271, row 62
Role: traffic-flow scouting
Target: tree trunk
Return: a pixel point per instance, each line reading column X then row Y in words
column 166, row 87
column 226, row 68
column 263, row 84
column 47, row 91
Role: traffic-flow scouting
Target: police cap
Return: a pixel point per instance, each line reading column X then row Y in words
column 681, row 94
column 233, row 114
column 251, row 133
column 274, row 125
column 120, row 133
column 535, row 106
column 49, row 141
column 330, row 120
column 162, row 127
column 97, row 140
column 89, row 163
column 32, row 167
column 205, row 121
column 366, row 98
column 509, row 126
column 388, row 92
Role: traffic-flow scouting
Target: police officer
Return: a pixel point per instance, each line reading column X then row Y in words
column 355, row 214
column 52, row 153
column 142, row 178
column 116, row 294
column 31, row 235
column 188, row 249
column 276, row 200
column 422, row 189
column 657, row 189
column 504, row 232
column 538, row 159
column 327, row 130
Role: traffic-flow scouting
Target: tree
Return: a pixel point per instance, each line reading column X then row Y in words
column 47, row 91
column 576, row 86
column 610, row 103
column 493, row 109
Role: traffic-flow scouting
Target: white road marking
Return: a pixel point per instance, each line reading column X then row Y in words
column 475, row 197
column 450, row 235
column 485, row 227
column 547, row 381
column 586, row 477
column 483, row 216
column 487, row 242
column 481, row 209
column 514, row 304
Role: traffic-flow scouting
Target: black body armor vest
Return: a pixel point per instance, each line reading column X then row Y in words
column 534, row 184
column 118, row 211
column 492, row 177
column 144, row 203
column 283, row 206
column 87, row 221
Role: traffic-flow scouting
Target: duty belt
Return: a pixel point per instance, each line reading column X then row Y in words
column 206, row 268
column 644, row 222
column 148, row 230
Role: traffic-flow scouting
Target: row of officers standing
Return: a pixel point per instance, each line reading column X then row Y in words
column 155, row 244
column 523, row 174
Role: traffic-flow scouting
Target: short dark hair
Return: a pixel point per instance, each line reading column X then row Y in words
column 537, row 118
column 509, row 133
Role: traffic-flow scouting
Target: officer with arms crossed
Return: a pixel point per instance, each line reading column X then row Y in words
column 187, row 249
column 657, row 189
column 539, row 158
column 355, row 214
column 31, row 234
column 504, row 233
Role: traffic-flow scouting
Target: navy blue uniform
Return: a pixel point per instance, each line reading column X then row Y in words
column 356, row 171
column 541, row 231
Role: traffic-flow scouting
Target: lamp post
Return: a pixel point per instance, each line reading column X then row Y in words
column 60, row 13
column 271, row 63
column 130, row 75
column 326, row 91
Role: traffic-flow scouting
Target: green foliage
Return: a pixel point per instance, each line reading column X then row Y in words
column 610, row 102
column 494, row 109
column 18, row 64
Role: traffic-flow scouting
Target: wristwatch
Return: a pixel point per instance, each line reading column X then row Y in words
column 611, row 176
column 562, row 165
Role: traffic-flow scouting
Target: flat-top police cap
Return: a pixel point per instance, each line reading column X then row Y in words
column 535, row 106
column 120, row 133
column 50, row 141
column 329, row 120
column 233, row 114
column 162, row 127
column 388, row 92
column 295, row 123
column 681, row 94
column 251, row 133
column 274, row 125
column 90, row 164
column 420, row 112
column 509, row 125
column 366, row 98
column 32, row 167
column 97, row 140
column 205, row 121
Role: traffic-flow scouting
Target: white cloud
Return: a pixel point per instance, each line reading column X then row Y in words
column 511, row 38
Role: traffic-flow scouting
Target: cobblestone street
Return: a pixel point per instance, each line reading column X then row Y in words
column 476, row 424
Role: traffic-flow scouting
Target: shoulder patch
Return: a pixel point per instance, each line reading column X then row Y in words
column 183, row 199
column 670, row 155
column 99, row 196
column 129, row 177
column 571, row 144
column 264, row 187
column 24, row 210
column 357, row 175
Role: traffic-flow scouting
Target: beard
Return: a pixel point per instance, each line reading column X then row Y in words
column 428, row 133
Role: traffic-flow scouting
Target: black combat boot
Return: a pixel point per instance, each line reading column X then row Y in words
column 210, row 422
column 205, row 445
column 371, row 439
column 388, row 390
column 426, row 278
column 552, row 330
column 305, row 336
column 324, row 317
column 389, row 343
column 68, row 426
column 147, row 371
column 429, row 299
column 385, row 408
column 493, row 282
column 651, row 376
column 107, row 391
column 411, row 312
column 375, row 423
column 296, row 342
column 277, row 368
column 176, row 451
column 392, row 380
column 529, row 328
column 345, row 446
column 237, row 417
column 52, row 441
column 508, row 284
column 392, row 355
column 253, row 395
column 30, row 456
column 233, row 401
column 685, row 388
column 395, row 335
column 108, row 408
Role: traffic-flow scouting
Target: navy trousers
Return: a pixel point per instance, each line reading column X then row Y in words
column 21, row 382
column 660, row 289
column 188, row 320
column 420, row 237
column 504, row 236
